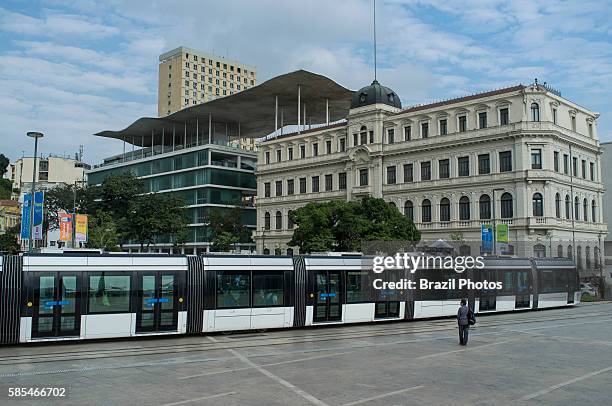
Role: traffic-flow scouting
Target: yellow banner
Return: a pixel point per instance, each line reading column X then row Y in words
column 81, row 228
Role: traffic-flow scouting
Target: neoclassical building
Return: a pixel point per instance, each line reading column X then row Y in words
column 522, row 156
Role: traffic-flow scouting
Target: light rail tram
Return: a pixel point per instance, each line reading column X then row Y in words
column 45, row 297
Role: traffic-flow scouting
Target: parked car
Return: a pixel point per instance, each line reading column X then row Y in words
column 587, row 289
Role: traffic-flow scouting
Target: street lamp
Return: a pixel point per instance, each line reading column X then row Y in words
column 36, row 136
column 263, row 240
column 495, row 222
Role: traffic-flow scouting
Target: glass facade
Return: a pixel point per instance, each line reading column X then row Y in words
column 203, row 177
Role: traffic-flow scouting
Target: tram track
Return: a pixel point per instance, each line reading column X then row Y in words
column 284, row 338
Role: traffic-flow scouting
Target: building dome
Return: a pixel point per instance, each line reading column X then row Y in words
column 375, row 93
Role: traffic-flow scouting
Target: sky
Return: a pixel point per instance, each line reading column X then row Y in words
column 73, row 68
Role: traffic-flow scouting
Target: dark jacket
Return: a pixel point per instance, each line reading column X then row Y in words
column 462, row 315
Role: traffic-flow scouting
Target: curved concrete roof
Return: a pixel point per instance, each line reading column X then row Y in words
column 253, row 108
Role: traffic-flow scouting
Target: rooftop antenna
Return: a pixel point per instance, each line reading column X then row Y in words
column 374, row 39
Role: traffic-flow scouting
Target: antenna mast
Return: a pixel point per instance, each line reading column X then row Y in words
column 374, row 39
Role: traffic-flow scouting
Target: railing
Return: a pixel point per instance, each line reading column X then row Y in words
column 148, row 152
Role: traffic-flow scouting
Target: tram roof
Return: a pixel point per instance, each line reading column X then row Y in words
column 253, row 108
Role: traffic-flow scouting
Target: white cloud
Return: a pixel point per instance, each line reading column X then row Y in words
column 54, row 25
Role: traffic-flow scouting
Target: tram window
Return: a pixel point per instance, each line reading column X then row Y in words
column 522, row 282
column 233, row 289
column 268, row 289
column 432, row 275
column 560, row 281
column 548, row 281
column 490, row 276
column 357, row 287
column 506, row 277
column 109, row 294
column 455, row 293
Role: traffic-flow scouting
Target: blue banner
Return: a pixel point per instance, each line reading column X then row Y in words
column 39, row 198
column 25, row 217
column 487, row 238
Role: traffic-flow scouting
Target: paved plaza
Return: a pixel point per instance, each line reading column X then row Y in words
column 550, row 357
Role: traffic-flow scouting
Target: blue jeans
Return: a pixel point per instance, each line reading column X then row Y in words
column 463, row 334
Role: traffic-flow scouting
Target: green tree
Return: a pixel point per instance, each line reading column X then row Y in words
column 102, row 232
column 5, row 189
column 224, row 241
column 4, row 163
column 65, row 198
column 8, row 240
column 343, row 226
column 226, row 223
column 119, row 195
column 155, row 215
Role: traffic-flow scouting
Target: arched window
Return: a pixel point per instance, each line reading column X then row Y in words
column 568, row 210
column 279, row 220
column 445, row 209
column 506, row 206
column 596, row 257
column 277, row 251
column 535, row 112
column 579, row 257
column 266, row 251
column 290, row 252
column 558, row 205
column 393, row 205
column 570, row 252
column 539, row 251
column 560, row 251
column 593, row 212
column 576, row 208
column 538, row 205
column 585, row 209
column 587, row 256
column 484, row 204
column 426, row 211
column 267, row 221
column 290, row 224
column 464, row 208
column 409, row 210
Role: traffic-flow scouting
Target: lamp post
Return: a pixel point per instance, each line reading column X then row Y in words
column 263, row 240
column 495, row 222
column 36, row 136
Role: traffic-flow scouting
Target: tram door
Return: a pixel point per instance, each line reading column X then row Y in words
column 572, row 286
column 328, row 306
column 157, row 302
column 56, row 307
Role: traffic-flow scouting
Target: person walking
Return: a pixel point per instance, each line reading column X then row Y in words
column 463, row 320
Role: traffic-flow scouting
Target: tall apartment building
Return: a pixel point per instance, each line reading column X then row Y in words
column 188, row 77
column 522, row 156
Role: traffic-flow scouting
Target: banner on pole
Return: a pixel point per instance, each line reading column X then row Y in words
column 487, row 238
column 39, row 198
column 81, row 228
column 65, row 223
column 502, row 238
column 25, row 217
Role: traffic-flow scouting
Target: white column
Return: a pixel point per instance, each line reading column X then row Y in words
column 163, row 138
column 275, row 113
column 123, row 158
column 299, row 107
column 210, row 128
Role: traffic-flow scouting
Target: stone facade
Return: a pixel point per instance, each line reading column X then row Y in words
column 524, row 148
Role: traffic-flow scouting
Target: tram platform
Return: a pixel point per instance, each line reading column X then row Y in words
column 556, row 356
